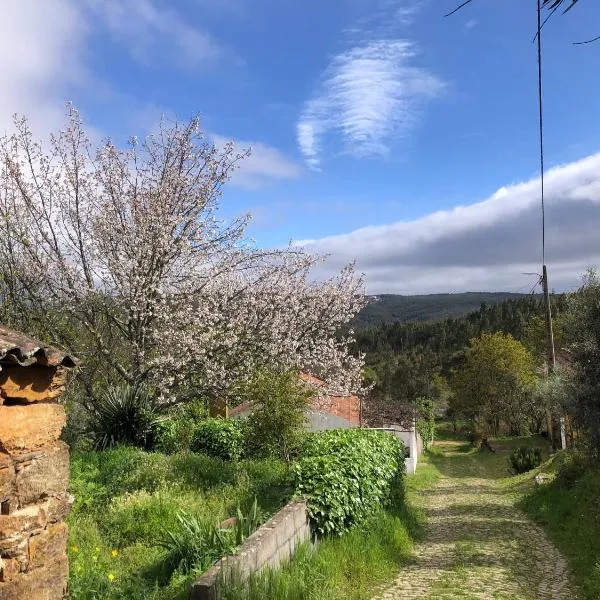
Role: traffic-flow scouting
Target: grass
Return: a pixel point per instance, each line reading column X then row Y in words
column 127, row 502
column 568, row 508
column 348, row 567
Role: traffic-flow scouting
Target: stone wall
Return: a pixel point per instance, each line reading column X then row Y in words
column 34, row 478
column 273, row 543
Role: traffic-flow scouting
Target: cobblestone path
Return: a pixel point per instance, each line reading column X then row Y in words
column 478, row 545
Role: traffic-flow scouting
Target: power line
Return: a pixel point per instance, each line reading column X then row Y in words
column 541, row 122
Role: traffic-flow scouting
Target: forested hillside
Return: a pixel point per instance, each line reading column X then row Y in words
column 388, row 308
column 405, row 358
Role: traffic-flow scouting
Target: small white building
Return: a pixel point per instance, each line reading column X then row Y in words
column 401, row 420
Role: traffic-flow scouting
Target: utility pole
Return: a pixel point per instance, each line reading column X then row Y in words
column 551, row 357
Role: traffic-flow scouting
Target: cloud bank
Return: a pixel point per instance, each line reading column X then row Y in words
column 483, row 246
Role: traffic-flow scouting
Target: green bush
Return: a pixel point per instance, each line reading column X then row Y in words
column 574, row 466
column 176, row 432
column 220, row 438
column 426, row 420
column 276, row 425
column 124, row 415
column 523, row 459
column 345, row 474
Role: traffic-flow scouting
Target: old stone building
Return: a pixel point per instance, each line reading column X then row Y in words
column 34, row 470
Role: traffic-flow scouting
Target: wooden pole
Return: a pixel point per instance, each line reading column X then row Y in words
column 551, row 357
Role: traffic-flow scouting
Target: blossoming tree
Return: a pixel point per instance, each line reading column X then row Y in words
column 118, row 254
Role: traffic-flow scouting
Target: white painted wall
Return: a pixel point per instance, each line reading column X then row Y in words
column 409, row 437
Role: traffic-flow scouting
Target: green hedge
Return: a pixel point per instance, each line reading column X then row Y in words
column 221, row 438
column 345, row 474
column 524, row 458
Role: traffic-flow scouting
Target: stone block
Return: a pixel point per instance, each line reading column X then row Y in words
column 206, row 587
column 21, row 521
column 7, row 478
column 24, row 429
column 47, row 583
column 59, row 506
column 16, row 547
column 9, row 569
column 49, row 546
column 43, row 474
column 32, row 384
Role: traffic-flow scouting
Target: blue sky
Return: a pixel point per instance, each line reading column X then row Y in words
column 362, row 114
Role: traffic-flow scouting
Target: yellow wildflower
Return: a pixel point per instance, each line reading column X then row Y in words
column 74, row 549
column 111, row 577
column 114, row 553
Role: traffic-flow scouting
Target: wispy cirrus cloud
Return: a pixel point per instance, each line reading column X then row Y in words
column 369, row 94
column 372, row 92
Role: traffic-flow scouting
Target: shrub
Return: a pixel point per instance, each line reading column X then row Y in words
column 220, row 438
column 426, row 420
column 124, row 415
column 276, row 425
column 346, row 474
column 574, row 467
column 176, row 432
column 523, row 459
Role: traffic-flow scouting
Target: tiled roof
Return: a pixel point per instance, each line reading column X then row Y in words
column 17, row 348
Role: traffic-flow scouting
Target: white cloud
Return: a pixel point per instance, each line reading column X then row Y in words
column 369, row 95
column 470, row 24
column 157, row 34
column 42, row 45
column 264, row 164
column 483, row 246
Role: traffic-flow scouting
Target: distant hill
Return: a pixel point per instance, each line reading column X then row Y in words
column 389, row 308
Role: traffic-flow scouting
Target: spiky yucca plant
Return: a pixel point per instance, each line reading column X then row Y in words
column 124, row 415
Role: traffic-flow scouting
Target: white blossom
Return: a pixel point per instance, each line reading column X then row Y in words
column 128, row 246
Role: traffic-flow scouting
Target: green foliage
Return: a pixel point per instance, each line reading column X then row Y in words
column 584, row 333
column 124, row 415
column 569, row 511
column 176, row 432
column 194, row 543
column 407, row 356
column 345, row 474
column 221, row 438
column 524, row 458
column 348, row 567
column 496, row 383
column 126, row 498
column 276, row 424
column 426, row 420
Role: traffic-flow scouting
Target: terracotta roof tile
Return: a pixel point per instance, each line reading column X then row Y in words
column 17, row 348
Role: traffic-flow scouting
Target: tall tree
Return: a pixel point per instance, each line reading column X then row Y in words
column 120, row 255
column 496, row 384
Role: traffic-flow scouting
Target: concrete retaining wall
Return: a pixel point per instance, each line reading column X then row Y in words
column 273, row 543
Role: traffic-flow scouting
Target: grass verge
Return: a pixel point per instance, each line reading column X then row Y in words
column 568, row 508
column 126, row 502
